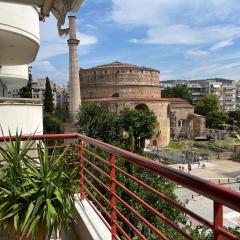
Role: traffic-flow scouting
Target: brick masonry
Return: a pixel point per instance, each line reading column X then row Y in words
column 118, row 85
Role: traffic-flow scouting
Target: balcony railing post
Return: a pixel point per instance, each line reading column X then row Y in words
column 113, row 199
column 81, row 180
column 218, row 220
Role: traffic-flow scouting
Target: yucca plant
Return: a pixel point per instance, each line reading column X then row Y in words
column 36, row 194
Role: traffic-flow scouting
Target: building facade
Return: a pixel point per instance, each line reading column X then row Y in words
column 227, row 91
column 20, row 42
column 39, row 89
column 117, row 85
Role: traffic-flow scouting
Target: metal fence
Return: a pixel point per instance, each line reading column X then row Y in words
column 102, row 177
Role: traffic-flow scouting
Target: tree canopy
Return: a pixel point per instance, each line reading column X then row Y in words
column 210, row 107
column 52, row 124
column 48, row 98
column 209, row 103
column 99, row 123
column 216, row 119
column 26, row 92
column 178, row 91
column 140, row 122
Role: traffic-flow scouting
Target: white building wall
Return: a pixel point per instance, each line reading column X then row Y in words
column 19, row 34
column 14, row 77
column 25, row 117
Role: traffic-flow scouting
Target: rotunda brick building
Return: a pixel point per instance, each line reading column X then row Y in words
column 116, row 86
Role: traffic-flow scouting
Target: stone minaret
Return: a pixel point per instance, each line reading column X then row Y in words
column 74, row 83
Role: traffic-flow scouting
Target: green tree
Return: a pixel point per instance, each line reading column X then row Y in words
column 60, row 112
column 141, row 122
column 48, row 98
column 216, row 119
column 97, row 122
column 234, row 118
column 52, row 124
column 210, row 107
column 179, row 91
column 209, row 103
column 26, row 92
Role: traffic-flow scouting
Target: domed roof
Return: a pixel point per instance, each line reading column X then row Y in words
column 119, row 65
column 116, row 64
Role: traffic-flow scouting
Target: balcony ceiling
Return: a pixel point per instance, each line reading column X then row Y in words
column 14, row 77
column 59, row 9
column 19, row 34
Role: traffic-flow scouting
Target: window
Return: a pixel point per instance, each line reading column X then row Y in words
column 181, row 123
column 115, row 94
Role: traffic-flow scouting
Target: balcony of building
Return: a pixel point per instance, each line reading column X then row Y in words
column 21, row 113
column 12, row 77
column 19, row 33
column 110, row 205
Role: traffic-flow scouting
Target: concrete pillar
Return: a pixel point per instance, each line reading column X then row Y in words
column 74, row 83
column 5, row 91
column 1, row 89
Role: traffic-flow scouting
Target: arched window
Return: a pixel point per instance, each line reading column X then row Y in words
column 115, row 94
column 142, row 106
column 181, row 123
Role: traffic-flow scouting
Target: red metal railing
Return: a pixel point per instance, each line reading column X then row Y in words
column 104, row 183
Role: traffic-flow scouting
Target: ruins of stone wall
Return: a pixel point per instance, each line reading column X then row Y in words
column 161, row 136
column 179, row 113
column 197, row 125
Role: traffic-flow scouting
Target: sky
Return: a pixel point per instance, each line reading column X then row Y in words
column 183, row 39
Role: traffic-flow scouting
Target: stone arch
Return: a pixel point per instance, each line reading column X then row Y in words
column 142, row 106
column 116, row 94
column 155, row 142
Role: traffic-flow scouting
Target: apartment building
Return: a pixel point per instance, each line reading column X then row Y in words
column 197, row 90
column 39, row 89
column 228, row 91
column 229, row 97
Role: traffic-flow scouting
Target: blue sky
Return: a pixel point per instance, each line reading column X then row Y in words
column 184, row 39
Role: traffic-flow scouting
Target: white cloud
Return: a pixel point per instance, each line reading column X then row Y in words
column 197, row 53
column 86, row 39
column 183, row 34
column 44, row 65
column 187, row 22
column 222, row 44
column 53, row 45
column 225, row 70
column 44, row 68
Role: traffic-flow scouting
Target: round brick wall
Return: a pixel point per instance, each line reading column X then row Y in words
column 119, row 80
